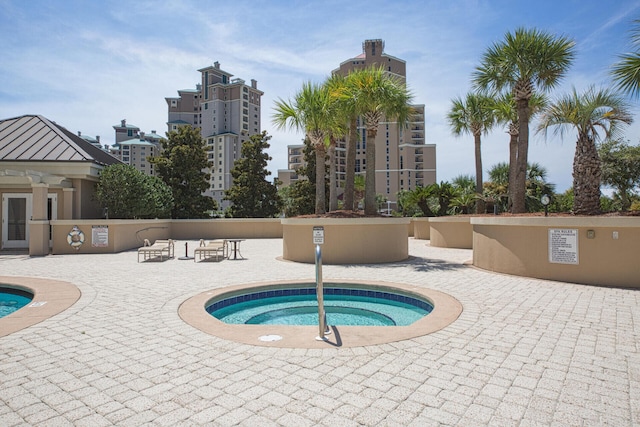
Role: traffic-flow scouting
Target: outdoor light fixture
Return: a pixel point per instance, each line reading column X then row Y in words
column 545, row 200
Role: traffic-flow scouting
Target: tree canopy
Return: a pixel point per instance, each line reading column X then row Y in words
column 182, row 165
column 620, row 169
column 127, row 193
column 251, row 195
column 526, row 62
column 588, row 113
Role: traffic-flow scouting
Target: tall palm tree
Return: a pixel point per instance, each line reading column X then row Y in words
column 311, row 111
column 592, row 111
column 342, row 114
column 506, row 113
column 626, row 72
column 527, row 61
column 473, row 115
column 375, row 95
column 336, row 84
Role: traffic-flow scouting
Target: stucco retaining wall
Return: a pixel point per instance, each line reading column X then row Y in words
column 521, row 246
column 347, row 241
column 451, row 232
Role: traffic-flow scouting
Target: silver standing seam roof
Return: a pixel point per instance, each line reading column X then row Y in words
column 35, row 138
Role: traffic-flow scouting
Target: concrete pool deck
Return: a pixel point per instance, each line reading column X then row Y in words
column 523, row 352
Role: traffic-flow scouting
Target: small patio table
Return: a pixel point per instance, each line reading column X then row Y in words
column 235, row 247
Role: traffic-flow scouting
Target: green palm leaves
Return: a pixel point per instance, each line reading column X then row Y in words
column 589, row 113
column 313, row 111
column 626, row 72
column 473, row 115
column 375, row 95
column 323, row 111
column 527, row 61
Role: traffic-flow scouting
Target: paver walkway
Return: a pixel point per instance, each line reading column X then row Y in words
column 524, row 352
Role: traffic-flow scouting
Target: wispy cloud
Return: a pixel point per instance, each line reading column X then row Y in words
column 89, row 64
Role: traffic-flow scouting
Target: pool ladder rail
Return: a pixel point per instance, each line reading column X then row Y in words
column 323, row 328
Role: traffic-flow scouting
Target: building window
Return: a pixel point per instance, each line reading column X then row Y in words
column 130, row 132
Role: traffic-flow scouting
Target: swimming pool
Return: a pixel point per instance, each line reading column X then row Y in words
column 12, row 300
column 344, row 305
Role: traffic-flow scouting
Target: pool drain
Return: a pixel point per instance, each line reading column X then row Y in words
column 269, row 338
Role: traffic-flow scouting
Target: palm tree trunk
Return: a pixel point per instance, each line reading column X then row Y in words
column 480, row 207
column 586, row 177
column 370, row 207
column 321, row 155
column 349, row 187
column 333, row 190
column 520, row 182
column 513, row 159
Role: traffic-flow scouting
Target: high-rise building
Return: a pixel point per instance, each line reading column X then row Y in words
column 403, row 160
column 227, row 111
column 133, row 147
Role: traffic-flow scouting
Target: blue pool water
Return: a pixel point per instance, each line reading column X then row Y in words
column 12, row 300
column 299, row 306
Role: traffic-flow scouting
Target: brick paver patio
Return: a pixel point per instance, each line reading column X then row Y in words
column 524, row 352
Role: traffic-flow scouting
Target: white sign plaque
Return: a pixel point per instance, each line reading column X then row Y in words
column 318, row 235
column 100, row 236
column 563, row 246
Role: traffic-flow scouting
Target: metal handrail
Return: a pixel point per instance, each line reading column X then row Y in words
column 322, row 316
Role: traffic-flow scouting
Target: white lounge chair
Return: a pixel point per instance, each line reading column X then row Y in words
column 159, row 249
column 215, row 248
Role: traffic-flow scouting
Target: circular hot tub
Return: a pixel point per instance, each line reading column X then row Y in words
column 285, row 314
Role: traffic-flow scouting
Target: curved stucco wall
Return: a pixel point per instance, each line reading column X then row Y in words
column 421, row 228
column 451, row 232
column 347, row 241
column 606, row 251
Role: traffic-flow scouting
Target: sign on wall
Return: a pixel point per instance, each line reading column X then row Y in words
column 563, row 246
column 318, row 235
column 100, row 236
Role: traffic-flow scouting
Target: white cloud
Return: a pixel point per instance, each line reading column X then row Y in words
column 89, row 65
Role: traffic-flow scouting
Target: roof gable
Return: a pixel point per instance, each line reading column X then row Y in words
column 35, row 138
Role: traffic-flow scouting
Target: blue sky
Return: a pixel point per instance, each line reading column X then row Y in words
column 89, row 64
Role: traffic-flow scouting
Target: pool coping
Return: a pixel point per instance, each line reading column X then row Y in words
column 50, row 297
column 446, row 310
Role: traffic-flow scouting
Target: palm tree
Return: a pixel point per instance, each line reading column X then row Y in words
column 342, row 114
column 374, row 94
column 473, row 115
column 527, row 61
column 507, row 113
column 589, row 112
column 336, row 85
column 312, row 111
column 626, row 72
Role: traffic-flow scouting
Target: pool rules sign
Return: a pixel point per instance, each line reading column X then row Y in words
column 318, row 235
column 563, row 246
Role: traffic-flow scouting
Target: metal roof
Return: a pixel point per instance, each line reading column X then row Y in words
column 35, row 138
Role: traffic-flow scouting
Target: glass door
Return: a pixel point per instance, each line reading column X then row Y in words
column 16, row 212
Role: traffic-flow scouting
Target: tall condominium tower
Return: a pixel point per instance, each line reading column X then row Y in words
column 403, row 160
column 227, row 111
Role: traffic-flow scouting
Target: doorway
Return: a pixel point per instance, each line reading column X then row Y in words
column 17, row 210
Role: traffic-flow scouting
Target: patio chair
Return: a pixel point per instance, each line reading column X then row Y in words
column 215, row 248
column 159, row 249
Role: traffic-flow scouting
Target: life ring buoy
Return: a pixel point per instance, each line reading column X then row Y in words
column 75, row 238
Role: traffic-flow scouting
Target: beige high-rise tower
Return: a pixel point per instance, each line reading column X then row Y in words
column 403, row 160
column 227, row 111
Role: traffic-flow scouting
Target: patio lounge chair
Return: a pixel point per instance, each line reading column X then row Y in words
column 215, row 248
column 160, row 248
